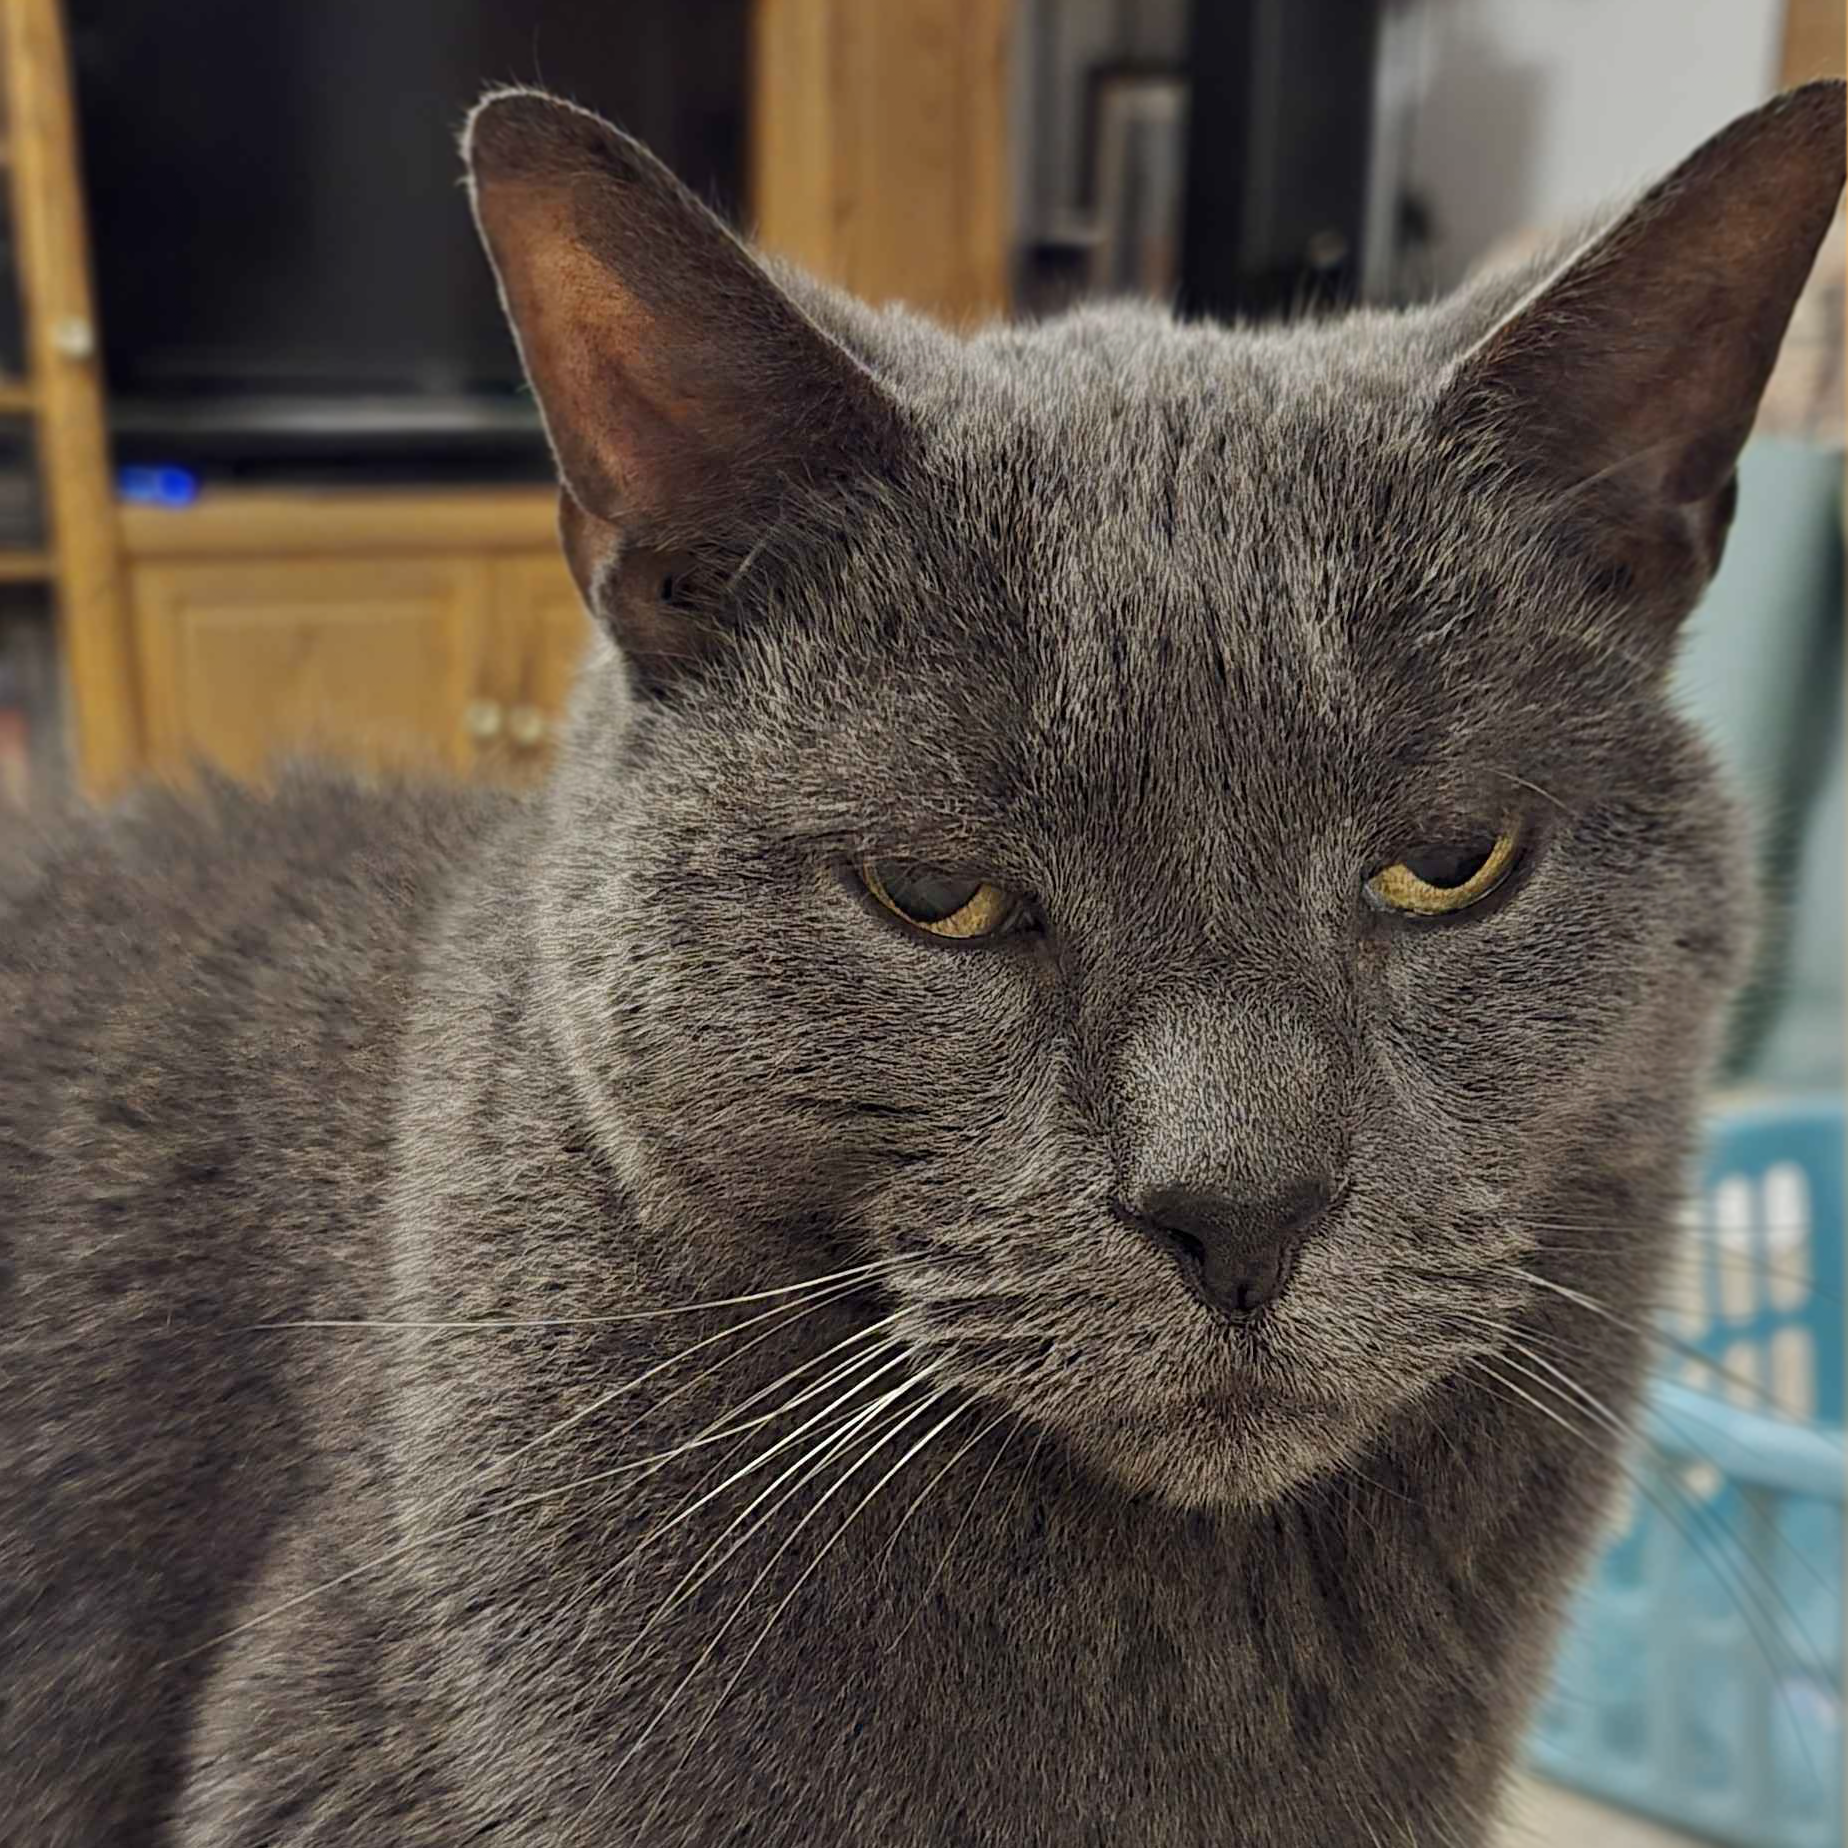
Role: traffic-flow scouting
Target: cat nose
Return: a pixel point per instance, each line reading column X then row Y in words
column 1235, row 1255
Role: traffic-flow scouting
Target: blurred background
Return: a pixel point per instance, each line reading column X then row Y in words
column 269, row 479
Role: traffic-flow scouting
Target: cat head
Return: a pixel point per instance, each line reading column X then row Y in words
column 1173, row 837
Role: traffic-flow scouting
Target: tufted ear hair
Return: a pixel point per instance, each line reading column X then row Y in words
column 696, row 413
column 1635, row 369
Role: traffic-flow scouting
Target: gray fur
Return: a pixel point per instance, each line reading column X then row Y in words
column 1182, row 630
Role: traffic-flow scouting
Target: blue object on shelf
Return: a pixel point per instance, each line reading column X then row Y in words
column 1700, row 1680
column 158, row 487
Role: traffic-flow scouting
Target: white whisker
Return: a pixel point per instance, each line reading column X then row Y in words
column 1662, row 1337
column 802, row 1579
column 1752, row 1596
column 718, row 1429
column 976, row 1500
column 806, row 1469
column 877, row 1267
column 789, row 1312
column 762, row 1460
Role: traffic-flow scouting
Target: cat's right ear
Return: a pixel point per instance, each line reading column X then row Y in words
column 696, row 413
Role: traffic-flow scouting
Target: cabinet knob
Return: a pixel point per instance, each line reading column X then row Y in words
column 482, row 719
column 526, row 727
column 72, row 337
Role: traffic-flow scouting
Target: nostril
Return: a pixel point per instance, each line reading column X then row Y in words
column 1188, row 1249
column 1236, row 1255
column 1185, row 1245
column 1185, row 1242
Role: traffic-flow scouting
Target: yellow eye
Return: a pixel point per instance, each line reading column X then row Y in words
column 1447, row 876
column 944, row 904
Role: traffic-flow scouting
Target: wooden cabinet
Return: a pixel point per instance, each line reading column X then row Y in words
column 879, row 146
column 375, row 660
column 437, row 632
column 539, row 638
column 440, row 628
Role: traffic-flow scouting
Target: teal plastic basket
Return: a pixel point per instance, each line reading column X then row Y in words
column 1700, row 1681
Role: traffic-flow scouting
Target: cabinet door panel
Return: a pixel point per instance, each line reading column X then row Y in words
column 370, row 661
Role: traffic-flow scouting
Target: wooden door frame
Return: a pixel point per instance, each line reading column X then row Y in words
column 879, row 147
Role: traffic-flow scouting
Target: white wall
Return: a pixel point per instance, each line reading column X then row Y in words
column 1514, row 114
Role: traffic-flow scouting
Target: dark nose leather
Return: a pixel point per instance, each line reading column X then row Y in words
column 1235, row 1255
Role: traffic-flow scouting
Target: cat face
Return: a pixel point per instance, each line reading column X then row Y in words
column 1180, row 712
column 1277, row 722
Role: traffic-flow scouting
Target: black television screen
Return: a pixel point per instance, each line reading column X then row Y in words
column 280, row 238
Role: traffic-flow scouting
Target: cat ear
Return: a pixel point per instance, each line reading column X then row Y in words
column 1633, row 374
column 695, row 412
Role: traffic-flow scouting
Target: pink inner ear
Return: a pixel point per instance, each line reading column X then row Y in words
column 586, row 341
column 686, row 395
column 684, row 392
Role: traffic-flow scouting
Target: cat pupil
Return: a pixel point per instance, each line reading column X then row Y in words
column 923, row 894
column 1454, row 864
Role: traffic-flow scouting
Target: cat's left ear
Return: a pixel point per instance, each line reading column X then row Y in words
column 1630, row 379
column 698, row 416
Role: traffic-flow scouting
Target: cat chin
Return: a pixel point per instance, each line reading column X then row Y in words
column 1236, row 1455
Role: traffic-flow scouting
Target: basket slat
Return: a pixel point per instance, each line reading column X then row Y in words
column 1701, row 1678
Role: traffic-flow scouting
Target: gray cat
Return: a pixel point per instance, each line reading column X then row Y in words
column 1016, row 1210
